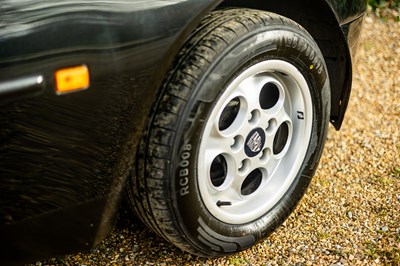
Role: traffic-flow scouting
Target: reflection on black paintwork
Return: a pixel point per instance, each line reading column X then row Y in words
column 348, row 10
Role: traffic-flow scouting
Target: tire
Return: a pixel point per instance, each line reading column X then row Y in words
column 236, row 135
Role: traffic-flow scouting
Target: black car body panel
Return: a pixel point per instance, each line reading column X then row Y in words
column 334, row 24
column 64, row 158
column 61, row 153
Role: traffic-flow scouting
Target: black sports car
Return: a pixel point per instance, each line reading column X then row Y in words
column 207, row 116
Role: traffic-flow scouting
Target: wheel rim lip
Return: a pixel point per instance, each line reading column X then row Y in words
column 253, row 206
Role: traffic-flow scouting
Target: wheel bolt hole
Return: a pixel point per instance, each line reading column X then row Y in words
column 266, row 154
column 272, row 124
column 244, row 166
column 255, row 117
column 237, row 143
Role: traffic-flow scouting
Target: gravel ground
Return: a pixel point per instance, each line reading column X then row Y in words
column 351, row 213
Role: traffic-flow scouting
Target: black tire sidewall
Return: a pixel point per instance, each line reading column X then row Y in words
column 284, row 43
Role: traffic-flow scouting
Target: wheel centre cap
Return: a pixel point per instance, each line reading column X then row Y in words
column 254, row 142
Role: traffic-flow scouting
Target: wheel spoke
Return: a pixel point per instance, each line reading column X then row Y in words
column 250, row 90
column 217, row 144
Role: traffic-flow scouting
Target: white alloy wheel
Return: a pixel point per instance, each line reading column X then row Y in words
column 255, row 141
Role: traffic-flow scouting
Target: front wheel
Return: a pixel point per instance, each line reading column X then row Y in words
column 236, row 136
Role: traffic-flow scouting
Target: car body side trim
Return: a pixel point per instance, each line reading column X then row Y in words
column 20, row 87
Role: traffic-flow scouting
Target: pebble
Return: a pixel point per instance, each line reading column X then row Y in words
column 385, row 229
column 350, row 215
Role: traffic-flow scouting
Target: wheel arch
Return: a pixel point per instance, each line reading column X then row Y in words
column 320, row 20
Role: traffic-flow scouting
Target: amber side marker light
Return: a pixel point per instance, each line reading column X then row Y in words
column 72, row 79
